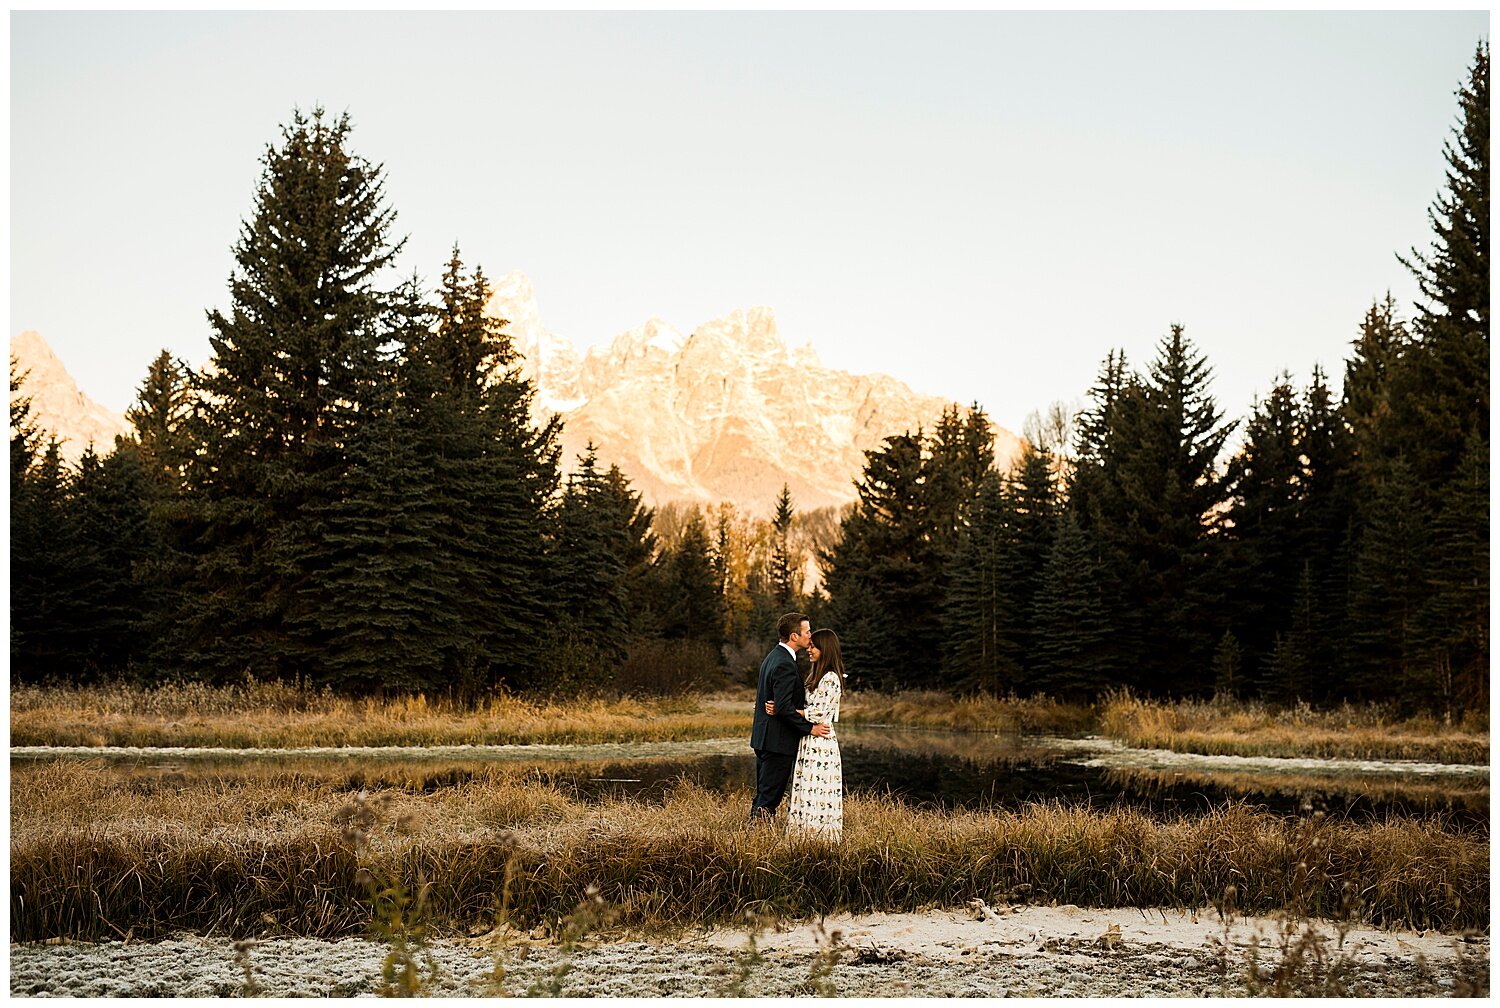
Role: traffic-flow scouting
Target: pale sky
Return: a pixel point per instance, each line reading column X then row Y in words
column 981, row 205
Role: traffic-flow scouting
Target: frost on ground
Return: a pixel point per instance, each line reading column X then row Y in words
column 1090, row 751
column 985, row 951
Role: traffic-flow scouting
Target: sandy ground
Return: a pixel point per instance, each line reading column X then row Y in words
column 975, row 952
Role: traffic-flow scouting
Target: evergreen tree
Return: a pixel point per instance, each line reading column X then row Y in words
column 32, row 533
column 162, row 419
column 1327, row 510
column 957, row 457
column 1094, row 424
column 1440, row 398
column 978, row 651
column 588, row 570
column 638, row 546
column 1417, row 407
column 695, row 609
column 110, row 503
column 1147, row 489
column 1228, row 660
column 49, row 568
column 25, row 437
column 159, row 417
column 1383, row 342
column 295, row 362
column 887, row 574
column 1388, row 587
column 383, row 605
column 785, row 569
column 1264, row 542
column 1032, row 507
column 1454, row 615
column 1454, row 275
column 1074, row 658
column 883, row 577
column 1182, row 551
column 493, row 475
column 1442, row 394
column 995, row 575
column 1286, row 671
column 1094, row 497
column 1287, row 676
column 1286, row 526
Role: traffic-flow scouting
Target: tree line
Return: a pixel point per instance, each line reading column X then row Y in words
column 1341, row 552
column 353, row 494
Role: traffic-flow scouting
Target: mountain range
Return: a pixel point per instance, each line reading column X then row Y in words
column 727, row 412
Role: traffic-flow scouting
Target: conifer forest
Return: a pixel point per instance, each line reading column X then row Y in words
column 354, row 494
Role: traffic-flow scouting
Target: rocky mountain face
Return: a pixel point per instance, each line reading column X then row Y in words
column 58, row 405
column 728, row 412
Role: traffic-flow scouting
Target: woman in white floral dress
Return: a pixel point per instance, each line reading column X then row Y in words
column 817, row 802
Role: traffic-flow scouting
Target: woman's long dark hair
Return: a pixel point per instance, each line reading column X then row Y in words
column 829, row 658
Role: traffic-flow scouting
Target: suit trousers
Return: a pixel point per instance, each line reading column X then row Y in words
column 773, row 771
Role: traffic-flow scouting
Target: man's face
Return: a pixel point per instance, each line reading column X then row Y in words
column 802, row 638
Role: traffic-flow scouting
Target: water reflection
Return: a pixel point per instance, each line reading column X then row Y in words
column 959, row 771
column 1353, row 796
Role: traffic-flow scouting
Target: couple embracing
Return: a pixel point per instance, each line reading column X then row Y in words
column 793, row 735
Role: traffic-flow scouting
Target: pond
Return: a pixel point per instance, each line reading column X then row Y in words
column 976, row 771
column 950, row 770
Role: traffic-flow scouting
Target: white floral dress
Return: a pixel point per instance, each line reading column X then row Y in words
column 817, row 804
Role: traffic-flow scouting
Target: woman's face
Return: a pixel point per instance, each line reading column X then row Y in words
column 813, row 653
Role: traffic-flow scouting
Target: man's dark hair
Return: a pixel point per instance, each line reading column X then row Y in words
column 789, row 624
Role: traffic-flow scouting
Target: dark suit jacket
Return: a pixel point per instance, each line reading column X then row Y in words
column 779, row 681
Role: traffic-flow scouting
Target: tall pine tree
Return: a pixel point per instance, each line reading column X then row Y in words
column 296, row 361
column 587, row 581
column 492, row 473
column 884, row 575
column 1147, row 489
column 1441, row 393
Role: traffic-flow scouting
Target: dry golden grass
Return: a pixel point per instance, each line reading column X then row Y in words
column 1253, row 729
column 278, row 716
column 100, row 853
column 979, row 712
column 274, row 716
column 922, row 743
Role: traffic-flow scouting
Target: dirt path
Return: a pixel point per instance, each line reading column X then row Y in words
column 992, row 952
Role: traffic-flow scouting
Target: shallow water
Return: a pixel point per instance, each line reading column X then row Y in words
column 930, row 768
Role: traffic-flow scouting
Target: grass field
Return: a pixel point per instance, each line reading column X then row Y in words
column 1253, row 729
column 925, row 709
column 97, row 854
column 274, row 716
column 279, row 716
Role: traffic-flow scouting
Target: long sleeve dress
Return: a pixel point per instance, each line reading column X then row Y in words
column 817, row 802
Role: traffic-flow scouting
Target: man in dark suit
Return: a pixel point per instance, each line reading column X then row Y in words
column 774, row 737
